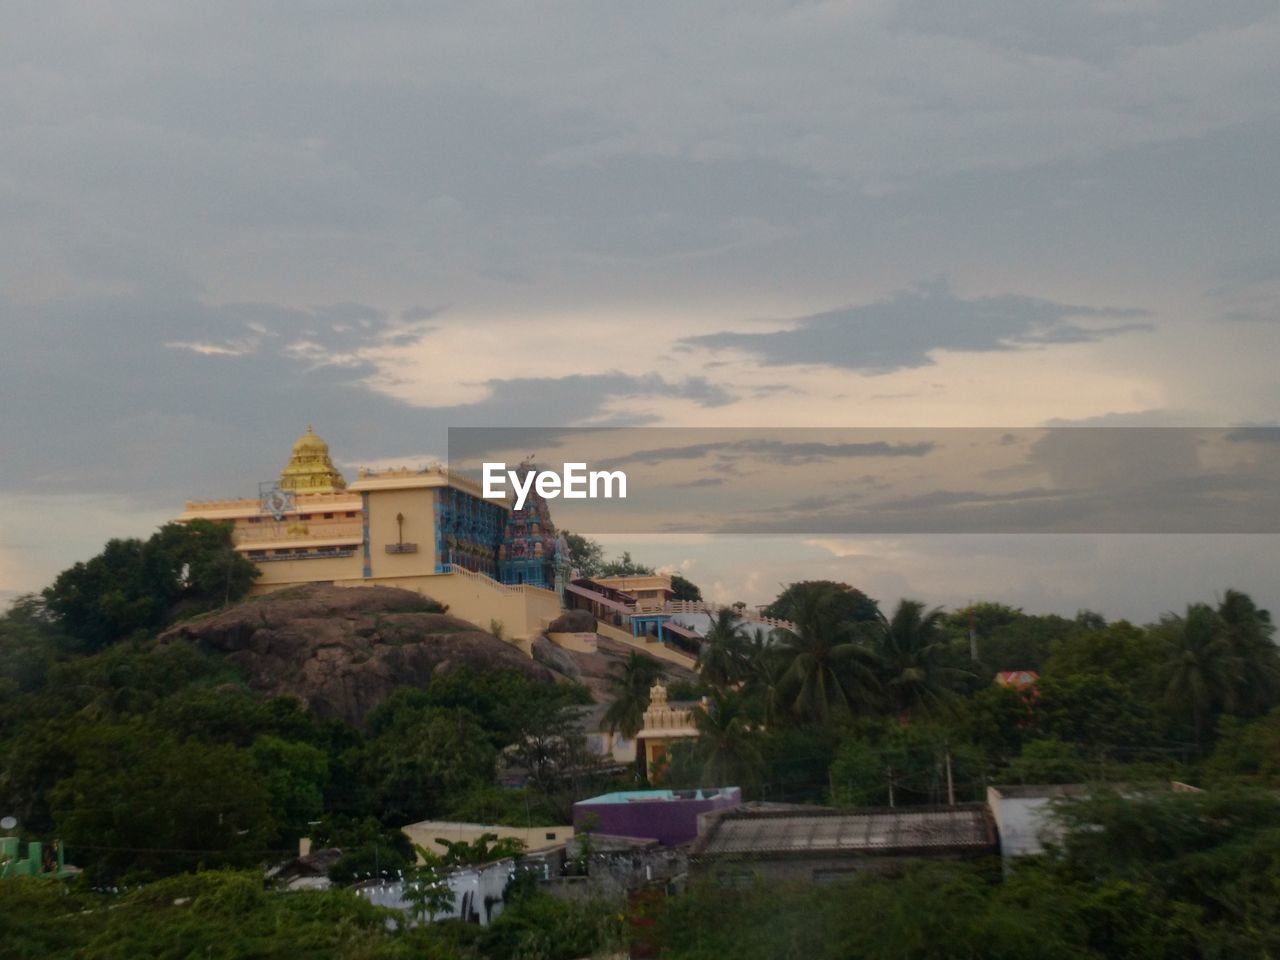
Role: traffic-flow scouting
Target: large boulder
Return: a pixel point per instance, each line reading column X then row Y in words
column 343, row 650
column 573, row 621
column 557, row 658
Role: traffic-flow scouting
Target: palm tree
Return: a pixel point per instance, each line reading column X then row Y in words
column 726, row 743
column 629, row 687
column 829, row 672
column 764, row 664
column 1202, row 673
column 722, row 655
column 1248, row 632
column 911, row 649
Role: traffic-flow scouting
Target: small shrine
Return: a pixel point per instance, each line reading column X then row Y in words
column 663, row 725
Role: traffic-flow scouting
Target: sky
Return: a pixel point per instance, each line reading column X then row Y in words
column 222, row 222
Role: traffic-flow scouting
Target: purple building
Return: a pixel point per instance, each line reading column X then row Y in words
column 668, row 816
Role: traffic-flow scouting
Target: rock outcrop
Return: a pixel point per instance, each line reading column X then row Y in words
column 343, row 650
column 573, row 621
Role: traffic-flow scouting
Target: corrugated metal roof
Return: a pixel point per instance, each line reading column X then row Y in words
column 849, row 832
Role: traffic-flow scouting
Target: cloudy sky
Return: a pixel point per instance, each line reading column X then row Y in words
column 221, row 222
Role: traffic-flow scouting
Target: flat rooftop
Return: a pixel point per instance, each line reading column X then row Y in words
column 644, row 796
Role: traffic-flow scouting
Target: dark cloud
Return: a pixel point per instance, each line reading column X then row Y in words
column 903, row 330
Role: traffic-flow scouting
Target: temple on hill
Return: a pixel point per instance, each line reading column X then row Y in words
column 428, row 530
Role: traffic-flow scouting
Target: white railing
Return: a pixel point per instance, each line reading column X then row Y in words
column 520, row 588
column 670, row 607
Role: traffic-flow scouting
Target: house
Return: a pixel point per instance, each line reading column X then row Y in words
column 610, row 745
column 668, row 816
column 426, row 833
column 824, row 845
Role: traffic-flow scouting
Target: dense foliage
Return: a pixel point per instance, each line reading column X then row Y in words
column 1167, row 875
column 854, row 705
column 157, row 766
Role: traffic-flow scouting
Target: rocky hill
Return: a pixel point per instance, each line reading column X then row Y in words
column 343, row 650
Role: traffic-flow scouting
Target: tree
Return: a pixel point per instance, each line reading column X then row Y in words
column 137, row 586
column 1202, row 674
column 722, row 655
column 28, row 646
column 296, row 776
column 629, row 687
column 726, row 744
column 424, row 760
column 684, row 589
column 764, row 665
column 551, row 746
column 140, row 801
column 485, row 848
column 910, row 648
column 426, row 886
column 1248, row 632
column 847, row 603
column 829, row 673
column 585, row 555
column 904, row 765
column 1047, row 761
column 624, row 566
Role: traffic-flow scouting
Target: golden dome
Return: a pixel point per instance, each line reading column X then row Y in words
column 309, row 469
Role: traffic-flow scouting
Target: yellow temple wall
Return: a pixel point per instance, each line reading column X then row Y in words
column 416, row 506
column 287, row 573
column 523, row 612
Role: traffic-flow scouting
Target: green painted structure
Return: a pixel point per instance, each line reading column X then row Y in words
column 38, row 862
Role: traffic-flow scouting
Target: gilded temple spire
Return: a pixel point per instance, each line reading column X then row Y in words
column 309, row 469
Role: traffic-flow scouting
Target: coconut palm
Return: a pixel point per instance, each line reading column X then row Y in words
column 911, row 649
column 764, row 665
column 726, row 743
column 1202, row 673
column 829, row 672
column 721, row 658
column 629, row 687
column 1248, row 633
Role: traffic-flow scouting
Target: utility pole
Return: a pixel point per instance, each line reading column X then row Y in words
column 890, row 771
column 973, row 634
column 951, row 787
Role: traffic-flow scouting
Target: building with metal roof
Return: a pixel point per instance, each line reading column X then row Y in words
column 823, row 844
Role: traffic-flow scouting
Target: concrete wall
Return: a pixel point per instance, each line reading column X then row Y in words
column 670, row 822
column 426, row 832
column 522, row 611
column 277, row 574
column 1023, row 816
column 417, row 506
column 654, row 649
column 477, row 892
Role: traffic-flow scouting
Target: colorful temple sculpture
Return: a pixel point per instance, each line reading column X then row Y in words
column 530, row 550
column 428, row 530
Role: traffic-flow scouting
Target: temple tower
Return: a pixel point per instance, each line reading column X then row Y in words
column 309, row 469
column 530, row 547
